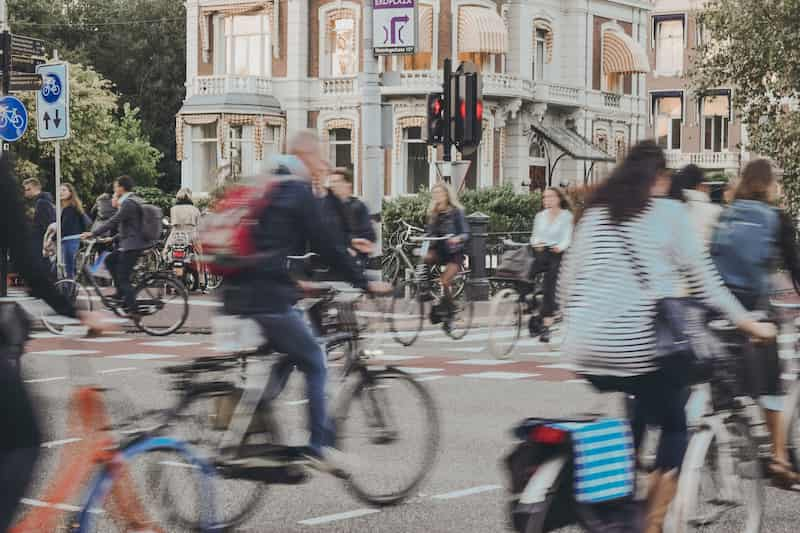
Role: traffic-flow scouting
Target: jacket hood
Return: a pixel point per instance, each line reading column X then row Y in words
column 44, row 195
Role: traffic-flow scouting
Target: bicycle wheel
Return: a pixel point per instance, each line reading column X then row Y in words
column 80, row 298
column 721, row 486
column 198, row 422
column 389, row 425
column 505, row 322
column 463, row 311
column 406, row 313
column 162, row 304
column 390, row 266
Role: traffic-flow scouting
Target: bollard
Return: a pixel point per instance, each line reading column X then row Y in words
column 478, row 282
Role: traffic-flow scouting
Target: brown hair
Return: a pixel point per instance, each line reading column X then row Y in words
column 345, row 173
column 452, row 200
column 33, row 182
column 756, row 181
column 74, row 200
column 563, row 200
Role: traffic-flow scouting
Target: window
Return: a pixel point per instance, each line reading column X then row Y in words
column 270, row 146
column 716, row 122
column 539, row 54
column 247, row 45
column 621, row 146
column 204, row 155
column 614, row 83
column 234, row 151
column 669, row 46
column 416, row 160
column 341, row 145
column 341, row 52
column 668, row 118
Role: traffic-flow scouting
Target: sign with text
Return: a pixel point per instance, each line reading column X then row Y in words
column 394, row 26
column 52, row 102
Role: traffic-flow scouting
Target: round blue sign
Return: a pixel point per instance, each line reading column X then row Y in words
column 13, row 118
column 51, row 88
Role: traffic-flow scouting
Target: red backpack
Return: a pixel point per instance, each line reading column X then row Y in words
column 226, row 233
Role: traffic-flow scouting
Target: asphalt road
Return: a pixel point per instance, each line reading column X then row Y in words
column 478, row 400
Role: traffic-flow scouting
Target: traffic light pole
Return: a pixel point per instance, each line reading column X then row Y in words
column 5, row 89
column 447, row 112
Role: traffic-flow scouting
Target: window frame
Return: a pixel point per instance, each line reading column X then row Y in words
column 655, row 98
column 728, row 121
column 657, row 20
column 539, row 69
column 325, row 63
column 333, row 143
column 229, row 46
column 406, row 141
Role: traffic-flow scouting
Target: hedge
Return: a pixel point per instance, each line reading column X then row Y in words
column 508, row 211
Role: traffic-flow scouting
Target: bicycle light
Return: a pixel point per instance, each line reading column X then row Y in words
column 547, row 435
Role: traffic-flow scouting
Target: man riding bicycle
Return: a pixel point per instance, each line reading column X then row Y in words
column 267, row 294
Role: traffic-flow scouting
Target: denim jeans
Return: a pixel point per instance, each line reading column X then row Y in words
column 70, row 250
column 288, row 333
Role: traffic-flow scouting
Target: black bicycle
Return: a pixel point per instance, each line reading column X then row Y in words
column 384, row 418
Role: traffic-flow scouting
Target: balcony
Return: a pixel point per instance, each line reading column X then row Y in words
column 338, row 86
column 563, row 95
column 411, row 82
column 613, row 102
column 230, row 84
column 506, row 85
column 705, row 160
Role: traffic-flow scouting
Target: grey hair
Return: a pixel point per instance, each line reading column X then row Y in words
column 184, row 194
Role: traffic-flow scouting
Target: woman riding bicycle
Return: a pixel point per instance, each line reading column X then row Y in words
column 446, row 219
column 551, row 236
column 184, row 217
column 632, row 249
column 74, row 221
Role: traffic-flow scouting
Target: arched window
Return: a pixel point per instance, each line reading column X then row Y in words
column 339, row 56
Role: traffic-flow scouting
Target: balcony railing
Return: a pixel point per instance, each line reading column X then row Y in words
column 227, row 84
column 704, row 160
column 612, row 100
column 505, row 85
column 558, row 94
column 339, row 86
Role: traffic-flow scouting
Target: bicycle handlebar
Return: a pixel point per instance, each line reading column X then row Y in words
column 411, row 228
column 429, row 239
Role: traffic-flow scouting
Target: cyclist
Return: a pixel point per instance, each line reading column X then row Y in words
column 688, row 186
column 362, row 234
column 127, row 224
column 20, row 438
column 746, row 248
column 44, row 212
column 446, row 217
column 268, row 294
column 74, row 221
column 551, row 236
column 104, row 207
column 630, row 250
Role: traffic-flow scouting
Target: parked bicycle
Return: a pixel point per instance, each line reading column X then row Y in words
column 225, row 409
column 162, row 302
column 421, row 297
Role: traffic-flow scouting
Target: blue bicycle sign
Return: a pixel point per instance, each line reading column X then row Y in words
column 51, row 88
column 13, row 118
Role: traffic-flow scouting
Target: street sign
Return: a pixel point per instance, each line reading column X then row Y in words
column 13, row 118
column 22, row 45
column 52, row 102
column 394, row 26
column 21, row 83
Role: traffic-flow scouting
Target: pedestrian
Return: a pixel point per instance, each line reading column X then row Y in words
column 21, row 437
column 630, row 251
column 44, row 210
column 103, row 208
column 74, row 221
column 747, row 247
column 362, row 233
column 550, row 238
column 688, row 186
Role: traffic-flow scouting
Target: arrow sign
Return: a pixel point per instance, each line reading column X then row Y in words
column 46, row 121
column 56, row 120
column 52, row 102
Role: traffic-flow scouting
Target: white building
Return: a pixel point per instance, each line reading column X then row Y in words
column 563, row 86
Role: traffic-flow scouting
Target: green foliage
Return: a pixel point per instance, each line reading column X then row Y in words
column 100, row 147
column 142, row 52
column 508, row 211
column 757, row 53
column 157, row 197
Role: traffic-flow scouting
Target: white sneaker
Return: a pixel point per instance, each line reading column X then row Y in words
column 331, row 461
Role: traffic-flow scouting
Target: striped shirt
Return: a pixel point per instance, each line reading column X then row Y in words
column 609, row 300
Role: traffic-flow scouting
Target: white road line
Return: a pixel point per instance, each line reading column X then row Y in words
column 563, row 366
column 481, row 362
column 467, row 349
column 170, row 344
column 465, row 492
column 296, row 402
column 430, row 378
column 105, row 340
column 500, row 375
column 61, row 506
column 338, row 516
column 57, row 443
column 45, row 380
column 64, row 352
column 577, row 381
column 419, row 370
column 143, row 356
column 115, row 370
column 396, row 357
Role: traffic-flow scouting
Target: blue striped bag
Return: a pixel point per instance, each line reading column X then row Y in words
column 604, row 459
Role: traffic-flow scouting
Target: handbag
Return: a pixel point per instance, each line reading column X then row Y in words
column 680, row 326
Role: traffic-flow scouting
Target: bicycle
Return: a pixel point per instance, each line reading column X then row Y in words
column 11, row 116
column 514, row 299
column 408, row 308
column 235, row 419
column 730, row 447
column 51, row 87
column 157, row 295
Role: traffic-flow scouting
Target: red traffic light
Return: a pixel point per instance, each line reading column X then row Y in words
column 437, row 107
column 463, row 109
column 479, row 110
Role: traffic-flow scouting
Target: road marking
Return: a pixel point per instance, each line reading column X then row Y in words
column 45, row 336
column 179, row 464
column 45, row 380
column 577, row 381
column 296, row 402
column 419, row 370
column 430, row 378
column 397, row 357
column 57, row 443
column 500, row 375
column 64, row 352
column 338, row 516
column 143, row 356
column 467, row 349
column 60, row 506
column 115, row 370
column 465, row 492
column 564, row 366
column 103, row 340
column 481, row 362
column 170, row 344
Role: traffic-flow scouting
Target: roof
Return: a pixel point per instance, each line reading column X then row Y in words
column 239, row 103
column 571, row 142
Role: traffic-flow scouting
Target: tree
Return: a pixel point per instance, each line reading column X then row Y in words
column 139, row 45
column 101, row 146
column 759, row 57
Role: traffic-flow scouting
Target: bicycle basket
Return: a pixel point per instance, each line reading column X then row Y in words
column 515, row 264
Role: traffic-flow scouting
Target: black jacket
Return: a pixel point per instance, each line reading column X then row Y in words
column 73, row 222
column 292, row 224
column 44, row 214
column 334, row 216
column 127, row 224
column 358, row 220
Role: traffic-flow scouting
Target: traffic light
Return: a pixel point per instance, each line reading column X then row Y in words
column 436, row 120
column 469, row 116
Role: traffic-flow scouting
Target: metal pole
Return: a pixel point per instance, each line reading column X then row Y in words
column 372, row 168
column 59, row 251
column 447, row 112
column 6, row 84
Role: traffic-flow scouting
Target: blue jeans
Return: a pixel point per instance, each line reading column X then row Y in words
column 70, row 250
column 288, row 333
